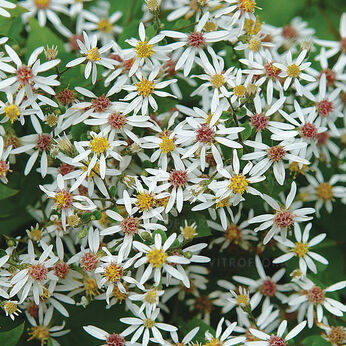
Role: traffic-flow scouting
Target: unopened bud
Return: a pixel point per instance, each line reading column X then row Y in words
column 153, row 5
column 51, row 53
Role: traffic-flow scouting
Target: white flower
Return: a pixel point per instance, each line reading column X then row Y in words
column 66, row 202
column 100, row 334
column 284, row 217
column 4, row 164
column 145, row 323
column 93, row 56
column 312, row 298
column 223, row 338
column 301, row 249
column 142, row 91
column 26, row 78
column 11, row 306
column 277, row 339
column 195, row 41
column 157, row 259
column 275, row 155
column 293, row 71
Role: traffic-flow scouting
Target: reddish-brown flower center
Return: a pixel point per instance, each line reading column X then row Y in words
column 308, row 131
column 330, row 76
column 196, row 39
column 275, row 340
column 205, row 134
column 73, row 41
column 38, row 272
column 65, row 168
column 324, row 107
column 115, row 340
column 284, row 219
column 130, row 225
column 101, row 103
column 24, row 75
column 66, row 97
column 61, row 269
column 117, row 120
column 322, row 138
column 288, row 31
column 178, row 178
column 316, row 295
column 268, row 288
column 259, row 121
column 276, row 153
column 271, row 70
column 89, row 261
column 43, row 141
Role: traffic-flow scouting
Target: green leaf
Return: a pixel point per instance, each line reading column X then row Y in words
column 162, row 234
column 78, row 130
column 11, row 337
column 315, row 340
column 245, row 134
column 6, row 192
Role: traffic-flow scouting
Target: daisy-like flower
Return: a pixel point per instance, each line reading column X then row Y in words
column 284, row 217
column 274, row 156
column 145, row 323
column 301, row 249
column 146, row 51
column 113, row 272
column 195, row 41
column 130, row 226
column 293, row 71
column 322, row 191
column 35, row 275
column 92, row 55
column 265, row 287
column 312, row 299
column 237, row 183
column 204, row 136
column 336, row 335
column 224, row 338
column 100, row 147
column 11, row 308
column 6, row 4
column 110, row 339
column 102, row 25
column 215, row 77
column 142, row 91
column 66, row 202
column 4, row 164
column 149, row 298
column 157, row 259
column 278, row 339
column 307, row 126
column 43, row 331
column 234, row 233
column 45, row 9
column 26, row 78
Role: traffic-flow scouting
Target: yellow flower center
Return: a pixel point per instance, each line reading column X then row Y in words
column 251, row 27
column 301, row 249
column 10, row 307
column 210, row 26
column 167, row 144
column 95, row 171
column 51, row 120
column 151, row 296
column 239, row 90
column 293, row 71
column 104, row 25
column 118, row 295
column 297, row 273
column 113, row 272
column 294, row 168
column 145, row 87
column 40, row 333
column 156, row 257
column 217, row 80
column 145, row 201
column 63, row 199
column 93, row 54
column 213, row 342
column 12, row 112
column 238, row 184
column 247, row 5
column 255, row 45
column 233, row 233
column 144, row 50
column 148, row 323
column 42, row 4
column 242, row 299
column 188, row 232
column 90, row 286
column 325, row 191
column 99, row 145
column 223, row 203
column 35, row 234
column 45, row 295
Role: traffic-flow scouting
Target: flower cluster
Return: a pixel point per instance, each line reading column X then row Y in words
column 202, row 131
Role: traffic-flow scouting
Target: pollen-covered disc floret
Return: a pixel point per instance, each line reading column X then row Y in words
column 316, row 295
column 99, row 145
column 113, row 272
column 205, row 134
column 238, row 184
column 284, row 219
column 156, row 257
